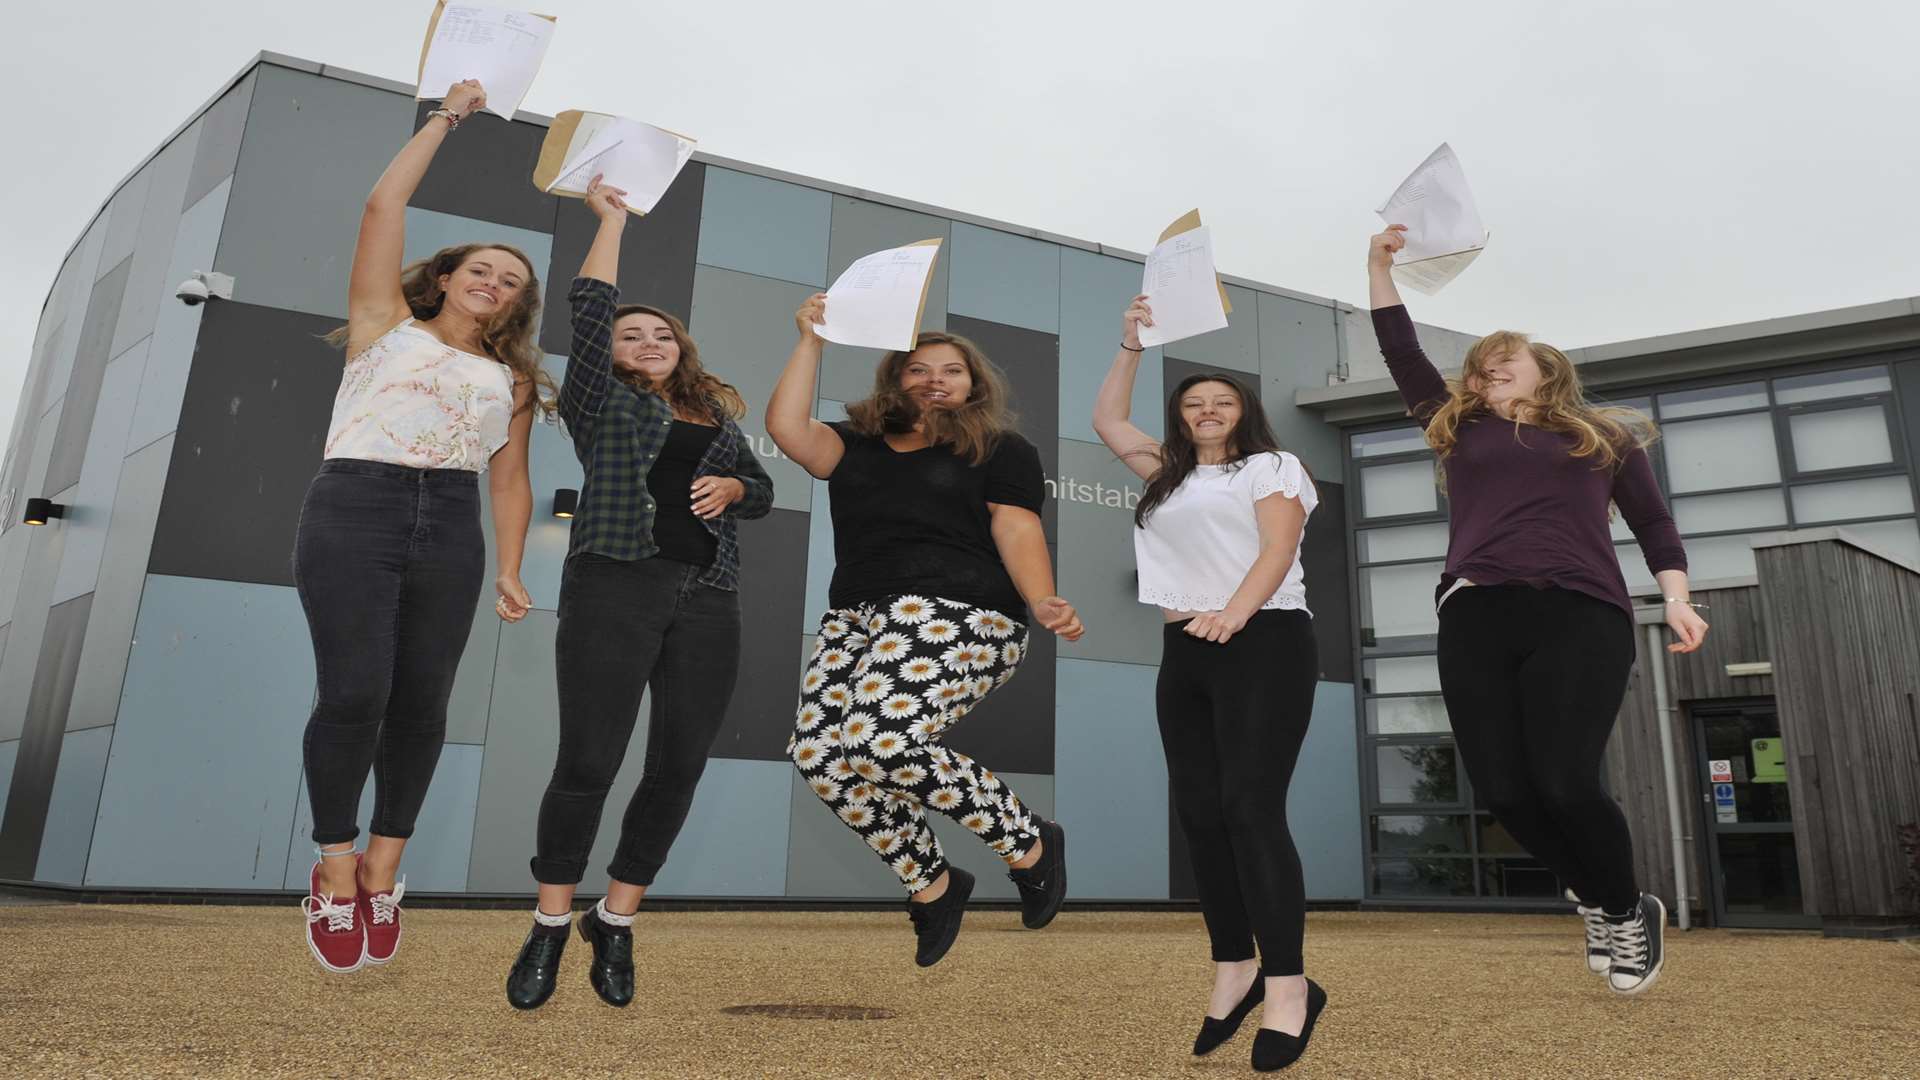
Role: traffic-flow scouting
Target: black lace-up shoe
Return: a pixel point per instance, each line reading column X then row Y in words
column 531, row 981
column 936, row 924
column 612, row 970
column 1043, row 886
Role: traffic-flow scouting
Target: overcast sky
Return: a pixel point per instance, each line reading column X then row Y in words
column 1645, row 168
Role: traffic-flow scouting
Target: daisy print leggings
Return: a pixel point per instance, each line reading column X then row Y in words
column 885, row 683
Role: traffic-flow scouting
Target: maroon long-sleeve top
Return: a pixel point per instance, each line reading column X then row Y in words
column 1524, row 508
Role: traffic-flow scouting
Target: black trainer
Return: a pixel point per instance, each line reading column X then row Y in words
column 612, row 971
column 1214, row 1031
column 531, row 981
column 936, row 924
column 1599, row 935
column 1274, row 1050
column 1637, row 951
column 1043, row 886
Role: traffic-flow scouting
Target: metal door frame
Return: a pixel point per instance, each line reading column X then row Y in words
column 1711, row 827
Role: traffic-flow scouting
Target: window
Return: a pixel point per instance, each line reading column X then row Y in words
column 1727, row 452
column 1840, row 439
column 1393, row 490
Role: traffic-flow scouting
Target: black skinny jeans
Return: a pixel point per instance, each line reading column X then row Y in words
column 626, row 627
column 1232, row 719
column 1533, row 680
column 389, row 562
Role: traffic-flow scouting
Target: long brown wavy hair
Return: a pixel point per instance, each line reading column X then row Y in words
column 507, row 337
column 1251, row 435
column 1605, row 433
column 690, row 388
column 972, row 430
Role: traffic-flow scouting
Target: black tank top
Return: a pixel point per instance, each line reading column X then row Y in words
column 676, row 532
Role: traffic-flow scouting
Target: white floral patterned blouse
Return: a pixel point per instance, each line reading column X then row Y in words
column 410, row 399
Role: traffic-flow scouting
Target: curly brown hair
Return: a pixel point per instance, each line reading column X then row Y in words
column 690, row 388
column 507, row 337
column 972, row 430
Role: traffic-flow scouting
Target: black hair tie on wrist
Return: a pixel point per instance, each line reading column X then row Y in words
column 1131, row 349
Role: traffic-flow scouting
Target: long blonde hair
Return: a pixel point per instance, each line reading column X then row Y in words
column 1605, row 433
column 507, row 337
column 972, row 430
column 690, row 388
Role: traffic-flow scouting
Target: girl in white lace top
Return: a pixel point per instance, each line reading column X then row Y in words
column 389, row 555
column 1217, row 539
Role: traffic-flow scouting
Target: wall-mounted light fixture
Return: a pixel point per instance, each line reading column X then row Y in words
column 41, row 511
column 565, row 502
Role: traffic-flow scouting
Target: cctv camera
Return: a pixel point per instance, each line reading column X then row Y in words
column 204, row 285
column 192, row 292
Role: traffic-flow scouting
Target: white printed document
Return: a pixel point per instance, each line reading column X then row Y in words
column 1181, row 285
column 503, row 49
column 1444, row 233
column 637, row 158
column 876, row 303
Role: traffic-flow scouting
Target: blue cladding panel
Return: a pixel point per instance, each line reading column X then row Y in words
column 766, row 227
column 438, row 862
column 1323, row 802
column 735, row 840
column 1094, row 291
column 76, row 799
column 1004, row 278
column 200, row 752
column 1095, row 494
column 1111, row 780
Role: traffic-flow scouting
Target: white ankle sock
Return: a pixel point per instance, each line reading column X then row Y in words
column 608, row 917
column 545, row 919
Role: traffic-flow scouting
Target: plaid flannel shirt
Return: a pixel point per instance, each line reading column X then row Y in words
column 618, row 431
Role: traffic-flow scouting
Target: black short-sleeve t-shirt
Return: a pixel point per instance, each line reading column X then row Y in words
column 917, row 523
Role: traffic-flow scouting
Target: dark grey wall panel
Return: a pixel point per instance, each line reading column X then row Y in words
column 1031, row 361
column 656, row 255
column 1012, row 730
column 221, row 129
column 1323, row 553
column 40, row 741
column 485, row 171
column 773, row 592
column 252, row 429
column 83, row 389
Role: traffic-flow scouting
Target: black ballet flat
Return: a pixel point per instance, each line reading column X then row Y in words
column 1274, row 1050
column 1214, row 1032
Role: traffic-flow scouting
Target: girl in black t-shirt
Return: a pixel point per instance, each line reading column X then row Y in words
column 939, row 556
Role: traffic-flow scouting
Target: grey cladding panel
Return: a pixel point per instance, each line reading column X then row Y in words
column 656, row 256
column 221, row 129
column 83, row 390
column 252, row 429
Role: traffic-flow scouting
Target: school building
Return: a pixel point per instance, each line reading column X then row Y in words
column 155, row 669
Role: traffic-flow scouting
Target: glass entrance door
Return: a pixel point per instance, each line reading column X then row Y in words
column 1755, row 875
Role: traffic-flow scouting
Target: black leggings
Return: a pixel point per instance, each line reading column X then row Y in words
column 1232, row 719
column 1533, row 680
column 626, row 627
column 389, row 563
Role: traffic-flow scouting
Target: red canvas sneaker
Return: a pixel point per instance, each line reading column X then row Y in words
column 380, row 914
column 335, row 935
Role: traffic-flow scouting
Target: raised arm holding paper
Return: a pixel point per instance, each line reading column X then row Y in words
column 638, row 158
column 1443, row 232
column 500, row 48
column 1181, row 280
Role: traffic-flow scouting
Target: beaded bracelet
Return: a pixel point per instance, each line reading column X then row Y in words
column 1689, row 603
column 452, row 118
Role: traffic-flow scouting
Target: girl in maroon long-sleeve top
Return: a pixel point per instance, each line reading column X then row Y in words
column 1536, row 628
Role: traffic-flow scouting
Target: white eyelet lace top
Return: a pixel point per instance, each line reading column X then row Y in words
column 1197, row 546
column 410, row 399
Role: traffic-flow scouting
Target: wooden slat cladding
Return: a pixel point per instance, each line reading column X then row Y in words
column 1633, row 767
column 1847, row 668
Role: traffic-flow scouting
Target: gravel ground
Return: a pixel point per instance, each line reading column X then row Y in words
column 95, row 990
